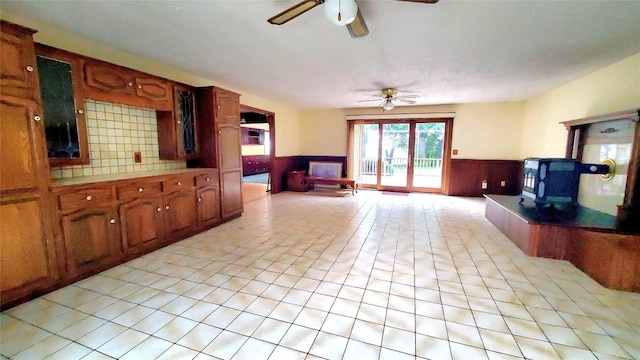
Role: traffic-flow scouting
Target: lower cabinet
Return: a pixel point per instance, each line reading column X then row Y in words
column 91, row 239
column 208, row 206
column 142, row 224
column 180, row 212
column 28, row 258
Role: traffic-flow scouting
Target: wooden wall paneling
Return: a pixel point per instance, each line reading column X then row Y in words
column 466, row 177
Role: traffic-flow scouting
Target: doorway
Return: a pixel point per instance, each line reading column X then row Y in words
column 406, row 155
column 258, row 151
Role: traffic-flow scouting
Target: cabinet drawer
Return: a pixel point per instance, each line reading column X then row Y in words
column 206, row 180
column 177, row 183
column 84, row 198
column 138, row 189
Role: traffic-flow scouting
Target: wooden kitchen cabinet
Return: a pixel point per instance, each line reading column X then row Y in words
column 178, row 128
column 180, row 212
column 141, row 215
column 88, row 230
column 18, row 75
column 219, row 128
column 63, row 106
column 108, row 82
column 28, row 261
column 91, row 240
column 208, row 198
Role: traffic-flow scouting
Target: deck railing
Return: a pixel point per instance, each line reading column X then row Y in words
column 421, row 166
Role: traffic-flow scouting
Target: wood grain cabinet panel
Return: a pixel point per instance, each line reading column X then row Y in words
column 153, row 89
column 179, row 212
column 107, row 78
column 19, row 132
column 18, row 75
column 142, row 224
column 208, row 205
column 91, row 240
column 28, row 258
column 108, row 82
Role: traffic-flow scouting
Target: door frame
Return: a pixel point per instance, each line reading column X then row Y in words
column 271, row 120
column 412, row 121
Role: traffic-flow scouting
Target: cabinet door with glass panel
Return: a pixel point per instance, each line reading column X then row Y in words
column 63, row 106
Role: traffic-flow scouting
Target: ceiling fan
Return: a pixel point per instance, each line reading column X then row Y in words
column 389, row 96
column 341, row 12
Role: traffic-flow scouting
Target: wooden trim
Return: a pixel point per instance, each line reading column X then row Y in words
column 632, row 114
column 437, row 115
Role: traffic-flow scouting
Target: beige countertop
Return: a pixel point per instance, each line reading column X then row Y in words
column 125, row 176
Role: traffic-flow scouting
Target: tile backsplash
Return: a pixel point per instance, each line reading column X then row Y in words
column 115, row 132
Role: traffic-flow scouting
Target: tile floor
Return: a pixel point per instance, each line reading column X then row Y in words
column 367, row 277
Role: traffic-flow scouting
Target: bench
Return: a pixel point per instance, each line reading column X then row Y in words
column 311, row 180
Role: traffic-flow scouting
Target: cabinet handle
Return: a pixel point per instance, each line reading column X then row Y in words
column 179, row 183
column 112, row 221
column 140, row 189
column 159, row 209
column 139, row 86
column 29, row 68
column 89, row 198
column 80, row 111
column 36, row 118
column 167, row 207
column 199, row 199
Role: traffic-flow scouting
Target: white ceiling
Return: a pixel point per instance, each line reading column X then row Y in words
column 449, row 52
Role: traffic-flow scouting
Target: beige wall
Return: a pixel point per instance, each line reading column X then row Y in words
column 613, row 88
column 286, row 117
column 475, row 129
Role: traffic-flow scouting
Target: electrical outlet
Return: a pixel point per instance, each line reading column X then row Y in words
column 484, row 184
column 137, row 157
column 503, row 183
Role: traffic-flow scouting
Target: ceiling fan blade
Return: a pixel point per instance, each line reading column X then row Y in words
column 406, row 101
column 412, row 96
column 294, row 11
column 358, row 28
column 370, row 100
column 422, row 1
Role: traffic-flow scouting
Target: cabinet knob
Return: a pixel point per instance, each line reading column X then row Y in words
column 112, row 221
column 139, row 86
column 36, row 118
column 207, row 179
column 199, row 199
column 159, row 209
column 179, row 183
column 80, row 111
column 179, row 122
column 89, row 198
column 29, row 68
column 140, row 189
column 167, row 207
column 130, row 83
column 218, row 106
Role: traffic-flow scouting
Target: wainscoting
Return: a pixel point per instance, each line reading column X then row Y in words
column 284, row 164
column 466, row 177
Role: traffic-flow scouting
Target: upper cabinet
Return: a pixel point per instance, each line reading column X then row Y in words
column 63, row 106
column 18, row 76
column 108, row 82
column 177, row 130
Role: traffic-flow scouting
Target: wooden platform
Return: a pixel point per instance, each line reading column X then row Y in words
column 589, row 239
column 311, row 180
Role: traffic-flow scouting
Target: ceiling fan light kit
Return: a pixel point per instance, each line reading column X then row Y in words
column 341, row 12
column 388, row 105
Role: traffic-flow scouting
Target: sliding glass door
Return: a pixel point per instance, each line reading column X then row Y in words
column 402, row 155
